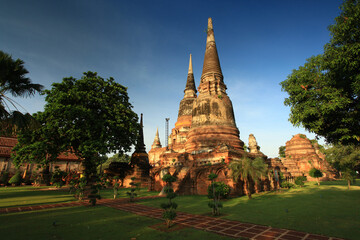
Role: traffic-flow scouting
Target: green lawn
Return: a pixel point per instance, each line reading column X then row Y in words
column 330, row 209
column 28, row 195
column 109, row 193
column 90, row 223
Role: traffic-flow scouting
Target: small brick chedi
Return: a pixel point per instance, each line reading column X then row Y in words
column 301, row 155
column 205, row 137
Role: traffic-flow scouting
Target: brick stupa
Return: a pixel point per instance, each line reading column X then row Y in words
column 213, row 121
column 205, row 137
column 301, row 155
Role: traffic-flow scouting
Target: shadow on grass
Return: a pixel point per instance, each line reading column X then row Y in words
column 90, row 223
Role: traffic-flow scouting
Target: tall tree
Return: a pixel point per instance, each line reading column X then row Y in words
column 282, row 151
column 324, row 93
column 90, row 116
column 247, row 169
column 13, row 81
column 345, row 159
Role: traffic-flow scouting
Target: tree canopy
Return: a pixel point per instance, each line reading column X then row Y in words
column 324, row 93
column 90, row 116
column 282, row 151
column 344, row 158
column 13, row 81
column 247, row 169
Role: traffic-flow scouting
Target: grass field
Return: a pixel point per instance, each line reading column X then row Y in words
column 28, row 195
column 330, row 210
column 89, row 223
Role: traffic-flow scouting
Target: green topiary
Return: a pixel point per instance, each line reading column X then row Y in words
column 221, row 189
column 94, row 194
column 216, row 190
column 16, row 179
column 316, row 173
column 132, row 193
column 300, row 180
column 288, row 185
column 170, row 207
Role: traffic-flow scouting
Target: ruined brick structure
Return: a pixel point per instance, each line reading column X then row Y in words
column 205, row 137
column 301, row 155
column 139, row 163
column 65, row 161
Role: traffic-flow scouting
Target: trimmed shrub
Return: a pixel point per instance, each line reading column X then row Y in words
column 16, row 179
column 94, row 194
column 132, row 194
column 300, row 180
column 221, row 189
column 288, row 185
column 170, row 207
column 316, row 173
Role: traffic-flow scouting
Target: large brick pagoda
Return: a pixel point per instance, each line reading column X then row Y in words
column 205, row 137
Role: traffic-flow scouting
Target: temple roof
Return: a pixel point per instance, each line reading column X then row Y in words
column 211, row 59
column 8, row 143
column 190, row 83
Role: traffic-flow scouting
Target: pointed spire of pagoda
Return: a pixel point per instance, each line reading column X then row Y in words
column 190, row 89
column 140, row 146
column 156, row 143
column 190, row 66
column 211, row 60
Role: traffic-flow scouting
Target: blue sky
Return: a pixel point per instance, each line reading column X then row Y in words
column 145, row 46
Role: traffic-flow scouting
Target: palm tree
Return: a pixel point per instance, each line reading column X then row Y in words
column 14, row 82
column 247, row 169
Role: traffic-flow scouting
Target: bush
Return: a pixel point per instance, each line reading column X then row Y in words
column 4, row 177
column 132, row 193
column 300, row 180
column 221, row 189
column 16, row 179
column 94, row 194
column 58, row 178
column 77, row 187
column 288, row 185
column 316, row 173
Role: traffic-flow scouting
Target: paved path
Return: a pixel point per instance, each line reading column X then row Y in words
column 220, row 226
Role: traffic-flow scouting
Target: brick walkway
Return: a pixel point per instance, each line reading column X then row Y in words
column 220, row 226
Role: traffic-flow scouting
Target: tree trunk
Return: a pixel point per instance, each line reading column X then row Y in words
column 349, row 183
column 318, row 181
column 272, row 184
column 248, row 193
